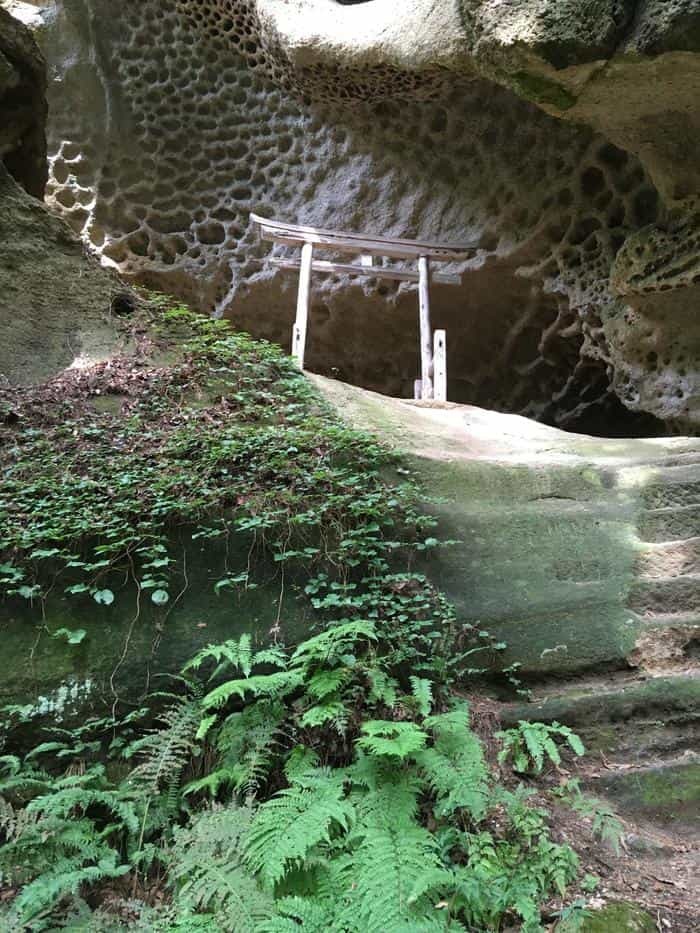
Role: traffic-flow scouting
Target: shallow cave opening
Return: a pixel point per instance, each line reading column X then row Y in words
column 610, row 418
column 511, row 347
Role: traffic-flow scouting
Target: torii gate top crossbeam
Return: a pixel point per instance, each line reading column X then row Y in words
column 368, row 244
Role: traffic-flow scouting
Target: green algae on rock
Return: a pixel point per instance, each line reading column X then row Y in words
column 619, row 917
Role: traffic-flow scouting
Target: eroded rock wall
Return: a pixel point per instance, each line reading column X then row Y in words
column 22, row 105
column 172, row 120
column 54, row 299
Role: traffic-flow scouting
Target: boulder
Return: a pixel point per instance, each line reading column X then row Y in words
column 618, row 916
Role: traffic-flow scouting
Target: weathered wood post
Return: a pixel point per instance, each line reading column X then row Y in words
column 426, row 334
column 440, row 366
column 302, row 318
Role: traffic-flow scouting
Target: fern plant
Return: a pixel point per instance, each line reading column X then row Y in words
column 529, row 744
column 336, row 785
column 294, row 822
column 58, row 843
column 605, row 824
column 454, row 766
column 208, row 872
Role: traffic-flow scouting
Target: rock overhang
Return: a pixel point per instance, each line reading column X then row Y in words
column 360, row 117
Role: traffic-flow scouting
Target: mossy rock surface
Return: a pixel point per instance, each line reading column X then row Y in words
column 668, row 795
column 130, row 646
column 620, row 917
column 180, row 493
column 549, row 526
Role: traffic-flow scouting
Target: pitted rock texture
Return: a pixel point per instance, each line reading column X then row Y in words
column 22, row 105
column 172, row 120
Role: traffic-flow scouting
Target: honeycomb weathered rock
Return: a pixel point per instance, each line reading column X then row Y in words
column 172, row 120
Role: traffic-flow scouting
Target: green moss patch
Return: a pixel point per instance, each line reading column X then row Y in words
column 619, row 918
column 542, row 90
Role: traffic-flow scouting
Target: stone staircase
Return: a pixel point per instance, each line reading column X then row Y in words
column 666, row 593
column 643, row 724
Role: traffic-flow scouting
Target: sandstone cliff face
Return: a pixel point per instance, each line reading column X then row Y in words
column 560, row 136
column 54, row 299
column 22, row 105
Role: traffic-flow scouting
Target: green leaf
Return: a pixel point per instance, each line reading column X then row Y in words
column 422, row 692
column 325, row 682
column 44, row 552
column 103, row 597
column 278, row 684
column 332, row 711
column 160, row 597
column 72, row 636
column 205, row 725
column 294, row 821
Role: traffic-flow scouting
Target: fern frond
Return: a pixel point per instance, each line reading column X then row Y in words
column 383, row 688
column 393, row 739
column 231, row 653
column 13, row 822
column 247, row 742
column 394, row 854
column 330, row 645
column 275, row 656
column 70, row 800
column 558, row 865
column 165, row 751
column 51, row 857
column 333, row 712
column 386, row 790
column 208, row 873
column 26, row 782
column 10, row 764
column 530, row 742
column 455, row 767
column 287, row 827
column 310, row 914
column 326, row 682
column 300, row 762
column 213, row 781
column 538, row 743
column 67, row 878
column 422, row 693
column 272, row 686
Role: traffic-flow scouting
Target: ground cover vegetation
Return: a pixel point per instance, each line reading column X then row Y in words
column 335, row 784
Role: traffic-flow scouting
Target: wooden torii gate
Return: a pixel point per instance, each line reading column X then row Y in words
column 433, row 347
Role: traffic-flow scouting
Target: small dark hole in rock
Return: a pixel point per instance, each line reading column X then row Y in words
column 692, row 648
column 123, row 304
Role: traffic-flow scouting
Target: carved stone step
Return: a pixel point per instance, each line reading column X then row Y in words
column 670, row 559
column 670, row 524
column 674, row 595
